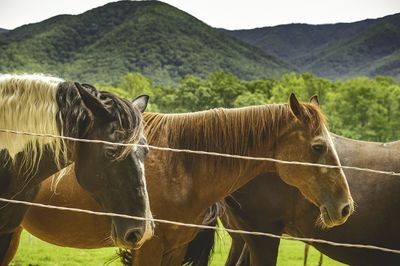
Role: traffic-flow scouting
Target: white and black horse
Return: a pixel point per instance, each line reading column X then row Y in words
column 113, row 175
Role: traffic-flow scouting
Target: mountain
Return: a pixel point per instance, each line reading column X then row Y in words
column 3, row 30
column 369, row 48
column 150, row 37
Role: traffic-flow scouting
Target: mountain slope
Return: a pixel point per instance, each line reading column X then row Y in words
column 150, row 37
column 3, row 30
column 339, row 50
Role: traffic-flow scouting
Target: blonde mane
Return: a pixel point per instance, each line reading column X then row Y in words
column 234, row 131
column 28, row 103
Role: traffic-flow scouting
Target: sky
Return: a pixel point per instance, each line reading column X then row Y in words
column 228, row 14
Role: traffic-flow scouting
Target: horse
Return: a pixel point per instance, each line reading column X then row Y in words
column 113, row 176
column 266, row 204
column 182, row 186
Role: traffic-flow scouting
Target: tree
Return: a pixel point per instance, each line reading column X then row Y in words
column 135, row 84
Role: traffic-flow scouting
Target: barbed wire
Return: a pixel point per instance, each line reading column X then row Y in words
column 203, row 152
column 235, row 231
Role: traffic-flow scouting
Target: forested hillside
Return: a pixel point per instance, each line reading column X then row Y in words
column 166, row 44
column 150, row 37
column 365, row 48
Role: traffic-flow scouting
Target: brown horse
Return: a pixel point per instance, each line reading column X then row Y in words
column 182, row 186
column 112, row 176
column 375, row 221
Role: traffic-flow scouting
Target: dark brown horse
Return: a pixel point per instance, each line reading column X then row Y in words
column 113, row 176
column 182, row 186
column 267, row 204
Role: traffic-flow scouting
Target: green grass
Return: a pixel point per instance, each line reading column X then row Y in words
column 33, row 251
column 36, row 252
column 290, row 253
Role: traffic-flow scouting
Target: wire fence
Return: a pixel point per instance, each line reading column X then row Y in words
column 203, row 152
column 255, row 233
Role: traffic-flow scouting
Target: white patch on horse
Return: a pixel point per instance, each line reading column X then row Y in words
column 330, row 142
column 28, row 103
column 149, row 231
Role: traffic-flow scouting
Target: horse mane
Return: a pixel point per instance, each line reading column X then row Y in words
column 28, row 103
column 233, row 131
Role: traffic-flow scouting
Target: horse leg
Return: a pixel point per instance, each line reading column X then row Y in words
column 8, row 246
column 306, row 249
column 235, row 251
column 244, row 259
column 263, row 250
column 321, row 257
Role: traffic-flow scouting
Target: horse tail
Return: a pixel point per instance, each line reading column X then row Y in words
column 201, row 248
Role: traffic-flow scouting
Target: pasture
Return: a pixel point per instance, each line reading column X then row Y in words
column 36, row 252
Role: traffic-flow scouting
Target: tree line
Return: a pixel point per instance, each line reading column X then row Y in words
column 359, row 108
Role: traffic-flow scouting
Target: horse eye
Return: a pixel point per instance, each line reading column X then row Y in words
column 319, row 148
column 109, row 153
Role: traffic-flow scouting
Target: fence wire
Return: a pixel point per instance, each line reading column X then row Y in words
column 255, row 233
column 203, row 152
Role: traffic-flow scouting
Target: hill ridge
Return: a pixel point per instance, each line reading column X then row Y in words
column 151, row 37
column 339, row 50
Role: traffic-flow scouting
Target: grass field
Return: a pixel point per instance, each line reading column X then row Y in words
column 33, row 251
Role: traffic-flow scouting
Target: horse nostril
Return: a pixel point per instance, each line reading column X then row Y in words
column 346, row 210
column 133, row 236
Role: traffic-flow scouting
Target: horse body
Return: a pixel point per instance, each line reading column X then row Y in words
column 37, row 222
column 182, row 186
column 49, row 105
column 277, row 208
column 242, row 210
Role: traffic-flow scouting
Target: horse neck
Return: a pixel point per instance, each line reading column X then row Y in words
column 245, row 131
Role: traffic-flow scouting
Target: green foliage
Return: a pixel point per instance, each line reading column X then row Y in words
column 304, row 86
column 136, row 84
column 360, row 108
column 365, row 109
column 218, row 90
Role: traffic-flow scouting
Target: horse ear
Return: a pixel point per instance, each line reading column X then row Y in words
column 314, row 100
column 92, row 103
column 141, row 102
column 295, row 106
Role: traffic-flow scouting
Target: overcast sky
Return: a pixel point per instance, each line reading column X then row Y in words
column 229, row 14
